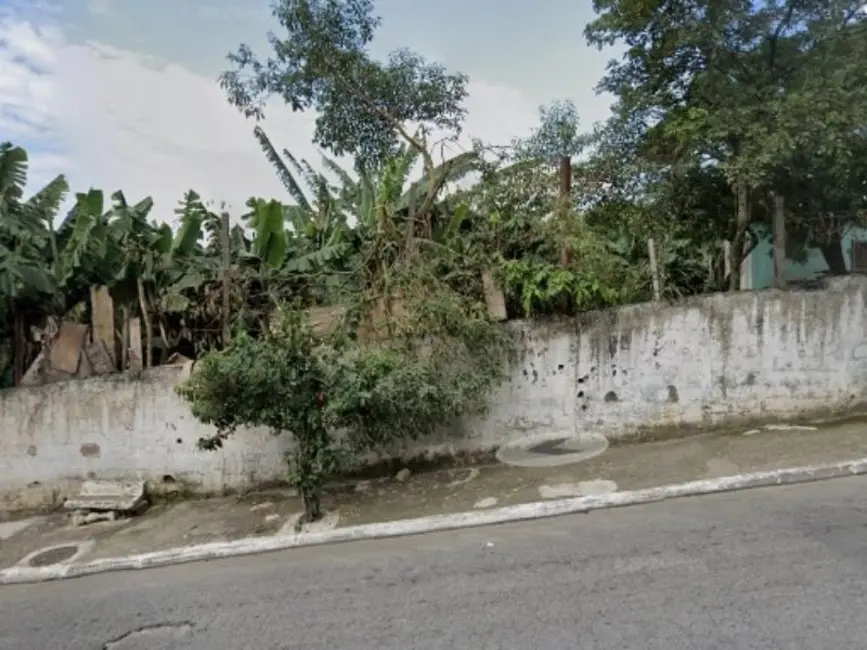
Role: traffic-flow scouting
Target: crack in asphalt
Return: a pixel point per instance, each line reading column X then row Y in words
column 177, row 630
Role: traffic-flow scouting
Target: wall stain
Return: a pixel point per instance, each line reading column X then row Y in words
column 673, row 396
column 90, row 450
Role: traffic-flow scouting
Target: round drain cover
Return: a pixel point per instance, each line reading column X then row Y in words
column 552, row 449
column 53, row 555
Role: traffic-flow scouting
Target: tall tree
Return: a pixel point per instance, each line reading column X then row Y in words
column 556, row 140
column 322, row 62
column 719, row 83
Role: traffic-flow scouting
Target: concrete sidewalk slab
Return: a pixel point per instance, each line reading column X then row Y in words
column 627, row 466
column 11, row 528
column 624, row 474
column 250, row 546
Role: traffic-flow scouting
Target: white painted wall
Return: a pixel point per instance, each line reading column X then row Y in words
column 707, row 361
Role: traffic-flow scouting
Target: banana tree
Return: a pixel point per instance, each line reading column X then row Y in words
column 22, row 239
column 46, row 270
column 319, row 224
column 375, row 200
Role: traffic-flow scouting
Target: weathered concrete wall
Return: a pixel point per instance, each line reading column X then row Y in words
column 707, row 361
column 55, row 436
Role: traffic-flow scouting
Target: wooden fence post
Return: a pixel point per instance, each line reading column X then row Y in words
column 779, row 235
column 227, row 262
column 654, row 269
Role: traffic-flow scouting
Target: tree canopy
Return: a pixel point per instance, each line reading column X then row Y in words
column 761, row 92
column 322, row 61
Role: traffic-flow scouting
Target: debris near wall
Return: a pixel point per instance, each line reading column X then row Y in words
column 107, row 501
column 74, row 350
column 68, row 352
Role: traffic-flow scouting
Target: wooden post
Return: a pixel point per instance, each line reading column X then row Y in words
column 566, row 252
column 227, row 261
column 494, row 298
column 102, row 317
column 779, row 233
column 124, row 339
column 135, row 347
column 19, row 344
column 148, row 326
column 727, row 259
column 742, row 191
column 654, row 269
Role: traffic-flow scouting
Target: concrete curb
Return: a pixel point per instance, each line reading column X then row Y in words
column 522, row 512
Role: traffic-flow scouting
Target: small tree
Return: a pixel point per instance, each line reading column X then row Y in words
column 440, row 362
column 277, row 381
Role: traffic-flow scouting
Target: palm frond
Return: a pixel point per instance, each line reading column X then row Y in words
column 286, row 177
column 13, row 172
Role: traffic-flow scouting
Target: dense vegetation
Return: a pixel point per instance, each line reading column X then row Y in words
column 733, row 121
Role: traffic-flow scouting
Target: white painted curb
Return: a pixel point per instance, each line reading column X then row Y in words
column 522, row 512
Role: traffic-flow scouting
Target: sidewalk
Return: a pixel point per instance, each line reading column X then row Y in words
column 620, row 467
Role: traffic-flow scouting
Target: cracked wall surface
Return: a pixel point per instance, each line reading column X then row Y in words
column 707, row 361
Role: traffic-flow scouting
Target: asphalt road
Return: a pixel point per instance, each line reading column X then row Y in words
column 774, row 568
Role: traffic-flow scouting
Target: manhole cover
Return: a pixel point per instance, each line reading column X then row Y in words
column 53, row 556
column 552, row 449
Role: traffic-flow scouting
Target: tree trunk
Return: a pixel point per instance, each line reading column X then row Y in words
column 226, row 315
column 19, row 345
column 832, row 251
column 779, row 235
column 311, row 500
column 565, row 207
column 743, row 222
column 654, row 269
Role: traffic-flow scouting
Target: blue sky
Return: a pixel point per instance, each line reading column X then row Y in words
column 122, row 93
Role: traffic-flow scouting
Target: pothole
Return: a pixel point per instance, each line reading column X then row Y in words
column 162, row 634
column 552, row 449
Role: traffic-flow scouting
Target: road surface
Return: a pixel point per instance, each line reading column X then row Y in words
column 774, row 568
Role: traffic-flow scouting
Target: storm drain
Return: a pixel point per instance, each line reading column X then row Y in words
column 54, row 555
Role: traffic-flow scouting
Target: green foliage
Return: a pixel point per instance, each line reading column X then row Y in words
column 277, row 381
column 558, row 134
column 540, row 286
column 440, row 363
column 322, row 63
column 766, row 95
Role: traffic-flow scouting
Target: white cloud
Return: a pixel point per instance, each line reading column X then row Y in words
column 25, row 85
column 126, row 121
column 28, row 94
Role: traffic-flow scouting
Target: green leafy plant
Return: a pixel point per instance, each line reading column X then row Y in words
column 279, row 381
column 337, row 398
column 440, row 362
column 541, row 285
